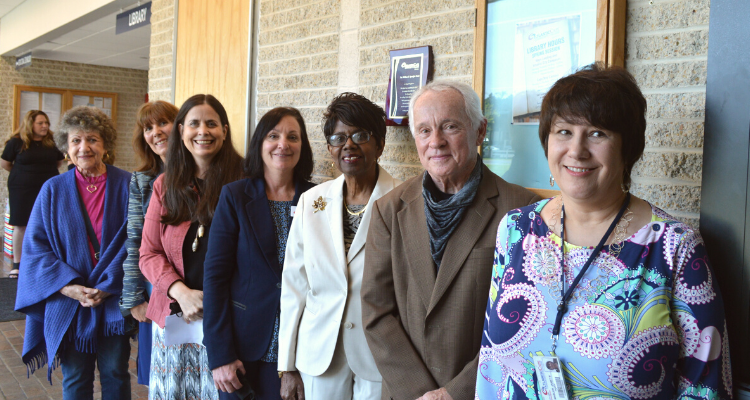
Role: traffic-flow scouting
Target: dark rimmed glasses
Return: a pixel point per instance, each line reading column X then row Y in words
column 339, row 139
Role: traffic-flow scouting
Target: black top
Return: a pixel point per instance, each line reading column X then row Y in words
column 193, row 261
column 31, row 168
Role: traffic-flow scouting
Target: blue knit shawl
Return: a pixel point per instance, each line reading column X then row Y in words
column 56, row 253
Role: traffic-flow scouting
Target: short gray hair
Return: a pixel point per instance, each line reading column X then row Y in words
column 472, row 104
column 87, row 119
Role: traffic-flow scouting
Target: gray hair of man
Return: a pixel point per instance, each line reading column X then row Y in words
column 472, row 104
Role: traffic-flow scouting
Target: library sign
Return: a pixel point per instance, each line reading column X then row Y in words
column 133, row 19
column 23, row 61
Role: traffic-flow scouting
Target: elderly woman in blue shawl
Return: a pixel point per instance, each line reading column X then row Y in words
column 72, row 265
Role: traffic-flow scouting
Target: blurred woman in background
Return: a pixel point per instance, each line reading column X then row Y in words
column 32, row 158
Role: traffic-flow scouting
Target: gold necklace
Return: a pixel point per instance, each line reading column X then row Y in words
column 346, row 207
column 198, row 234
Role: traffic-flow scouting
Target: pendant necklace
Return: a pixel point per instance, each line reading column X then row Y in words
column 201, row 227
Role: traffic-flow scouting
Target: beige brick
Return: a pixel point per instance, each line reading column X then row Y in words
column 323, row 167
column 654, row 76
column 288, row 67
column 674, row 134
column 676, row 105
column 325, row 61
column 398, row 134
column 376, row 94
column 667, row 15
column 374, row 75
column 673, row 165
column 451, row 66
column 385, row 33
column 304, row 29
column 365, row 4
column 445, row 23
column 321, row 97
column 401, row 153
column 266, row 7
column 403, row 172
column 323, row 79
column 681, row 44
column 300, row 48
column 388, row 13
column 670, row 197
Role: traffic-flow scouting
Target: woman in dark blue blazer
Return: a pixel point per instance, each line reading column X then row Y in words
column 242, row 270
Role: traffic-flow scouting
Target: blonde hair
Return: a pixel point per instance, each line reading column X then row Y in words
column 25, row 131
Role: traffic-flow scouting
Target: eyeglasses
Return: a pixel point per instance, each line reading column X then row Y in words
column 339, row 139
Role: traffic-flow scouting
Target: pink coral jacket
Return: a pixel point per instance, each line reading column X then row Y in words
column 161, row 255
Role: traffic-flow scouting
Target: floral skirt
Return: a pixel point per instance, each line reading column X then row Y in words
column 179, row 372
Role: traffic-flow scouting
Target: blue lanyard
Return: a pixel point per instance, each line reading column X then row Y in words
column 562, row 307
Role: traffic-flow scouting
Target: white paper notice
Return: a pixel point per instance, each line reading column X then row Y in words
column 80, row 101
column 108, row 112
column 29, row 101
column 108, row 103
column 99, row 102
column 52, row 106
column 177, row 331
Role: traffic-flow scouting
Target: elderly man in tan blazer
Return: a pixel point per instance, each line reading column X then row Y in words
column 430, row 250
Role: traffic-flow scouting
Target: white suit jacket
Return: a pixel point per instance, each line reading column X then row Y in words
column 319, row 297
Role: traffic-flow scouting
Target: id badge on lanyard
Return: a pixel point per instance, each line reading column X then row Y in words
column 550, row 378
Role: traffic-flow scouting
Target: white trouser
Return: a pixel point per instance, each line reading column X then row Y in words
column 339, row 382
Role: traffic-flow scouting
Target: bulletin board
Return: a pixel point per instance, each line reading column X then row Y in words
column 55, row 102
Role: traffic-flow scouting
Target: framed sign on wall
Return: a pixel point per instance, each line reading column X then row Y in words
column 522, row 48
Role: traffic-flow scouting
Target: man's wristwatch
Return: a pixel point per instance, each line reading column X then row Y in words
column 281, row 373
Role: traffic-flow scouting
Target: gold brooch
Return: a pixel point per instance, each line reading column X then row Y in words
column 319, row 204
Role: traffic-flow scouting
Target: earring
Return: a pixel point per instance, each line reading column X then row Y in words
column 551, row 180
column 332, row 164
column 66, row 156
column 624, row 188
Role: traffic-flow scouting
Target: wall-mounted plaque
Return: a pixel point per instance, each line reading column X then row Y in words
column 410, row 70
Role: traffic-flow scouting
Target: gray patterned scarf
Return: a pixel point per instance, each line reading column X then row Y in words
column 443, row 214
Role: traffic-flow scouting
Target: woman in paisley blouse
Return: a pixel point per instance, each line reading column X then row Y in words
column 645, row 318
column 242, row 277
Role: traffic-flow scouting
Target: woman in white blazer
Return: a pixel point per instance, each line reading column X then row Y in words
column 323, row 353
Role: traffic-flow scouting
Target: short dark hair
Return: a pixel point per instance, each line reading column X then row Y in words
column 180, row 199
column 151, row 113
column 254, row 160
column 605, row 97
column 355, row 110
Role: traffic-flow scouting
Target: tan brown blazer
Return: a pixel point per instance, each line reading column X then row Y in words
column 424, row 327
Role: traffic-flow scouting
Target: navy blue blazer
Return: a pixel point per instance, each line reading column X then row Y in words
column 242, row 275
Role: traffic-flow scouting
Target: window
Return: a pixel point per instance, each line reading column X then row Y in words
column 524, row 47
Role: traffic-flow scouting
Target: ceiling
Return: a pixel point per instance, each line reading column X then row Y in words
column 95, row 43
column 7, row 5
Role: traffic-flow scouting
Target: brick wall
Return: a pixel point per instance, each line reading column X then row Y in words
column 309, row 50
column 305, row 57
column 667, row 47
column 161, row 52
column 129, row 84
column 298, row 61
column 446, row 25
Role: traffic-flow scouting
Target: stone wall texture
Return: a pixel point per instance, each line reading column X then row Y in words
column 666, row 51
column 129, row 84
column 303, row 57
column 162, row 50
column 298, row 63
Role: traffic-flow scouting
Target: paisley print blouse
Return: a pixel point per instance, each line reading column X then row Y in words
column 647, row 324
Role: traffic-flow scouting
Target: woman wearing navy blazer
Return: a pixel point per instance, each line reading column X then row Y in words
column 242, row 271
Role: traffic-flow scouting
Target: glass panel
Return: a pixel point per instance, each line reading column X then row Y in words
column 530, row 44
